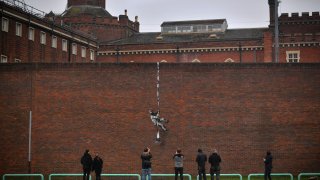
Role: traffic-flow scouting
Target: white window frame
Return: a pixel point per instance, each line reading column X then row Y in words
column 229, row 60
column 92, row 55
column 74, row 48
column 83, row 52
column 18, row 29
column 43, row 38
column 31, row 33
column 4, row 59
column 293, row 59
column 16, row 60
column 64, row 45
column 196, row 61
column 5, row 24
column 54, row 41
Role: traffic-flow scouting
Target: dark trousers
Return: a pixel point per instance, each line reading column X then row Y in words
column 217, row 174
column 178, row 170
column 202, row 173
column 98, row 174
column 267, row 174
column 86, row 174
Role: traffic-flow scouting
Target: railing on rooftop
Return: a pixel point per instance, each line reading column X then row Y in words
column 25, row 7
column 21, row 5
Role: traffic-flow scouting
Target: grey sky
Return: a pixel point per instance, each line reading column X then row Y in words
column 151, row 13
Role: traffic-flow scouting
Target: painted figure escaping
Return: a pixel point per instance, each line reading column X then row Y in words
column 157, row 120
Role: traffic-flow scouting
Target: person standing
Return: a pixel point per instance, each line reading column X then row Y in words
column 86, row 161
column 97, row 166
column 267, row 166
column 146, row 164
column 178, row 164
column 201, row 160
column 215, row 160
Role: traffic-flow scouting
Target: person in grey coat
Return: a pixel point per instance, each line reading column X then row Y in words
column 178, row 164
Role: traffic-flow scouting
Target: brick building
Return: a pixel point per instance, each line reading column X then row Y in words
column 26, row 36
column 212, row 41
column 117, row 39
column 92, row 17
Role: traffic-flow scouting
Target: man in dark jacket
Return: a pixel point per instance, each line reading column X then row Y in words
column 146, row 164
column 267, row 166
column 97, row 166
column 201, row 160
column 86, row 161
column 215, row 160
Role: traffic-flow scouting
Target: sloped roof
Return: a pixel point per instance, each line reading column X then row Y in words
column 150, row 38
column 86, row 9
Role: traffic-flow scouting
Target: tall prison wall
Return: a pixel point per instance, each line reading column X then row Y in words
column 242, row 110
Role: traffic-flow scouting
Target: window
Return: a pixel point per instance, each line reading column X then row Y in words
column 4, row 59
column 64, row 45
column 18, row 29
column 91, row 55
column 229, row 60
column 42, row 37
column 293, row 56
column 31, row 34
column 83, row 51
column 199, row 28
column 169, row 29
column 16, row 60
column 54, row 42
column 74, row 48
column 5, row 24
column 196, row 61
column 184, row 29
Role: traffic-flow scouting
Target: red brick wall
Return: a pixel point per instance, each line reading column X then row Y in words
column 240, row 109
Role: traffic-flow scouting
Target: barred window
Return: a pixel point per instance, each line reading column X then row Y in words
column 91, row 55
column 83, row 51
column 74, row 48
column 31, row 34
column 4, row 59
column 64, row 45
column 42, row 37
column 5, row 24
column 54, row 42
column 19, row 29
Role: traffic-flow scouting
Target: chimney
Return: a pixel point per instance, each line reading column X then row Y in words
column 271, row 12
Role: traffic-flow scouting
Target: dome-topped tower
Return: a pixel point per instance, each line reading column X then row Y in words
column 100, row 3
column 91, row 17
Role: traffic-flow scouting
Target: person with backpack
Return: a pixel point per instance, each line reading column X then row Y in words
column 86, row 161
column 215, row 160
column 178, row 164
